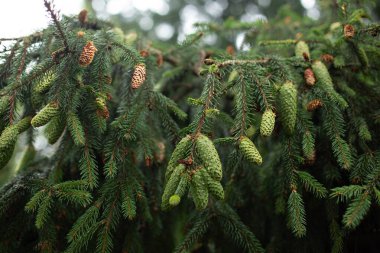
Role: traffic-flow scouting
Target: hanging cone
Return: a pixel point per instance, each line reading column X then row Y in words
column 87, row 54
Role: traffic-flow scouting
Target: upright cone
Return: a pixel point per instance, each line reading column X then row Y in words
column 138, row 76
column 87, row 54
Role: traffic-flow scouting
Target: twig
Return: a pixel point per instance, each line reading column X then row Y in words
column 54, row 16
column 235, row 62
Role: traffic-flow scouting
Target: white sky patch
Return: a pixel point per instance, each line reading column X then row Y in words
column 159, row 6
column 164, row 31
column 214, row 8
column 21, row 18
column 308, row 4
column 313, row 13
column 190, row 15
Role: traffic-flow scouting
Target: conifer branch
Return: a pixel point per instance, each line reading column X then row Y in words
column 54, row 17
column 235, row 62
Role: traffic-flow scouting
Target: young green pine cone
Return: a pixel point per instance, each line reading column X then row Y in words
column 171, row 186
column 6, row 155
column 45, row 83
column 4, row 104
column 199, row 191
column 214, row 187
column 54, row 129
column 288, row 106
column 209, row 157
column 45, row 115
column 302, row 50
column 180, row 152
column 249, row 150
column 322, row 74
column 23, row 124
column 182, row 187
column 138, row 76
column 267, row 122
column 8, row 138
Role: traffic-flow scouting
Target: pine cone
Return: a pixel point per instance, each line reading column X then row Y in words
column 45, row 115
column 87, row 54
column 327, row 58
column 302, row 50
column 6, row 155
column 314, row 104
column 172, row 185
column 183, row 185
column 349, row 31
column 199, row 191
column 179, row 152
column 23, row 124
column 267, row 123
column 138, row 76
column 309, row 77
column 250, row 151
column 54, row 129
column 209, row 157
column 214, row 187
column 82, row 16
column 288, row 106
column 8, row 138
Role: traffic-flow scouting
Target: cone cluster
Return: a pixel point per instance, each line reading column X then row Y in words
column 201, row 180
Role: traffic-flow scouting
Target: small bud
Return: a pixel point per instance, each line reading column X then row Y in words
column 80, row 34
column 174, row 200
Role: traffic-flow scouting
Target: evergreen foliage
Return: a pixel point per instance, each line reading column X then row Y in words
column 161, row 147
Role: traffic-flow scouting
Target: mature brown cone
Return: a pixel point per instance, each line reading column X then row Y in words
column 309, row 77
column 82, row 17
column 314, row 104
column 87, row 54
column 327, row 58
column 349, row 31
column 138, row 76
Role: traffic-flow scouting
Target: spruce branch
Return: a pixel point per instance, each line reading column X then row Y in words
column 234, row 62
column 54, row 16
